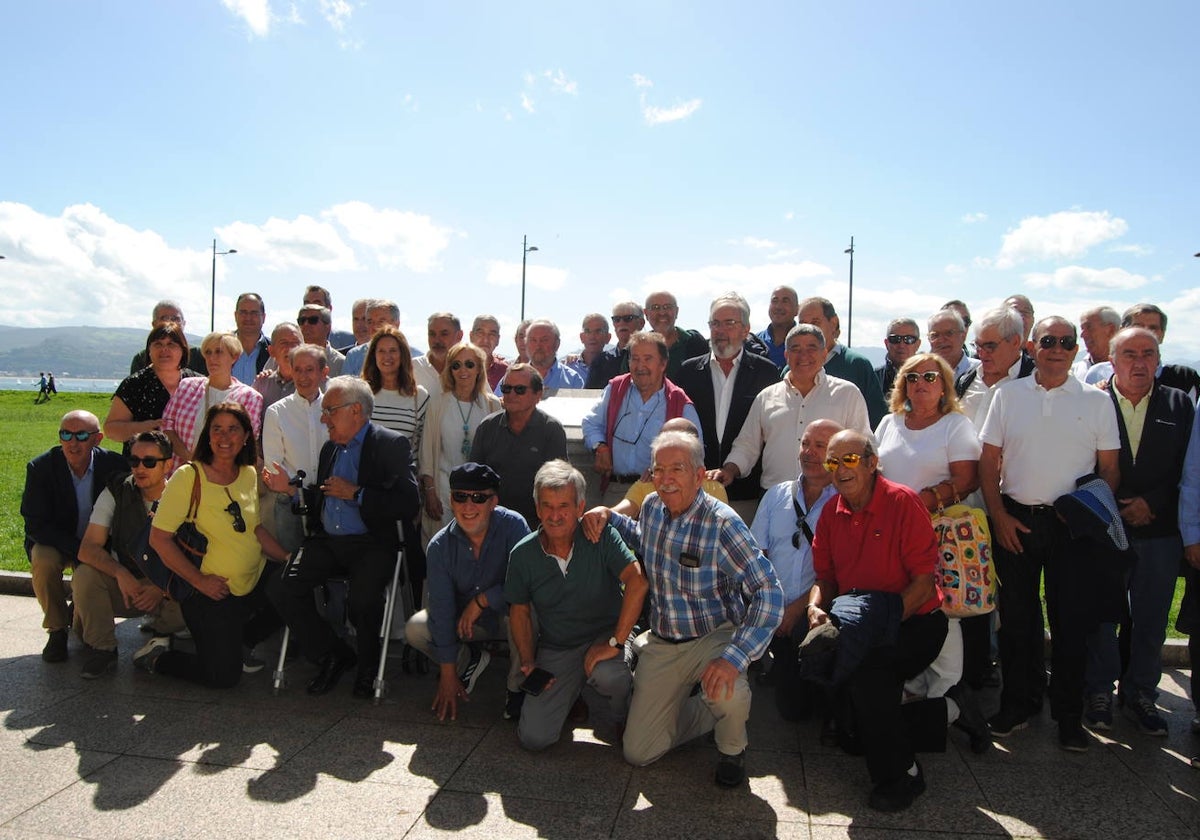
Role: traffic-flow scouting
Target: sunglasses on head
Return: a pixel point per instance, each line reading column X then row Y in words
column 309, row 319
column 65, row 436
column 519, row 389
column 624, row 319
column 468, row 364
column 462, row 497
column 902, row 339
column 235, row 510
column 850, row 459
column 148, row 463
column 928, row 376
column 1066, row 342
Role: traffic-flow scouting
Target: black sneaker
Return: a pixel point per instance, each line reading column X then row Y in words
column 479, row 660
column 512, row 704
column 56, row 647
column 251, row 664
column 731, row 770
column 98, row 663
column 898, row 794
column 1007, row 722
column 970, row 718
column 1071, row 736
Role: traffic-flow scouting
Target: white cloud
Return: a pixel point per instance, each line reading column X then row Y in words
column 283, row 245
column 953, row 270
column 256, row 14
column 527, row 103
column 972, row 218
column 783, row 253
column 789, row 215
column 656, row 115
column 336, row 13
column 559, row 82
column 502, row 273
column 398, row 238
column 754, row 242
column 1063, row 235
column 1136, row 250
column 640, row 81
column 1080, row 280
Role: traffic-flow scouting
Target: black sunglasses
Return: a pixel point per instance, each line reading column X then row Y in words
column 309, row 319
column 624, row 319
column 468, row 364
column 462, row 497
column 1066, row 342
column 508, row 389
column 902, row 339
column 235, row 510
column 148, row 463
column 65, row 436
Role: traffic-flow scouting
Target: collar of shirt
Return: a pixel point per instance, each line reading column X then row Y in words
column 818, row 382
column 838, row 350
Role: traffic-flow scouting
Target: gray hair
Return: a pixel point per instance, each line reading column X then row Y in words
column 826, row 306
column 679, row 440
column 805, row 329
column 593, row 316
column 1107, row 315
column 944, row 314
column 485, row 319
column 389, row 305
column 629, row 304
column 166, row 303
column 444, row 316
column 1005, row 319
column 356, row 390
column 313, row 350
column 544, row 322
column 731, row 299
column 323, row 312
column 557, row 474
column 903, row 322
column 286, row 326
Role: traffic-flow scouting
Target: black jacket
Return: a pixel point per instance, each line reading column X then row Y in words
column 48, row 503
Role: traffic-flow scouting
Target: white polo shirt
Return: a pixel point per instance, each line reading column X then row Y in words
column 293, row 435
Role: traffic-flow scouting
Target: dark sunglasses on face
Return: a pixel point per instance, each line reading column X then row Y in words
column 1066, row 342
column 468, row 364
column 235, row 510
column 309, row 319
column 624, row 319
column 462, row 497
column 148, row 463
column 65, row 436
column 902, row 339
column 519, row 389
column 928, row 376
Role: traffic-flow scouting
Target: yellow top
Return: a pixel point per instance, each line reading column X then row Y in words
column 1135, row 419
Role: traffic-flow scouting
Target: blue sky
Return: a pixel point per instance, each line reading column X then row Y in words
column 403, row 149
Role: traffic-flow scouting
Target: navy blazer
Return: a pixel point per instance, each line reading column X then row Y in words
column 753, row 374
column 388, row 478
column 48, row 503
column 1155, row 475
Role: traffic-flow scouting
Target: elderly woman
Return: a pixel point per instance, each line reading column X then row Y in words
column 450, row 425
column 229, row 610
column 189, row 405
column 400, row 402
column 138, row 404
column 929, row 445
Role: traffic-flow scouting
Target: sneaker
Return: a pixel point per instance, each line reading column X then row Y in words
column 1007, row 722
column 147, row 657
column 898, row 794
column 1071, row 737
column 98, row 663
column 731, row 770
column 479, row 660
column 56, row 647
column 1098, row 714
column 970, row 718
column 183, row 635
column 513, row 702
column 1142, row 710
column 251, row 664
column 1196, row 761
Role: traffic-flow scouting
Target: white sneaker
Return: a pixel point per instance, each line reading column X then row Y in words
column 147, row 657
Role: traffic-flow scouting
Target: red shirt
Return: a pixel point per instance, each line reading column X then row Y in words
column 880, row 548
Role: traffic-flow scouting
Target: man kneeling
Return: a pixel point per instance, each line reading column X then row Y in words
column 575, row 588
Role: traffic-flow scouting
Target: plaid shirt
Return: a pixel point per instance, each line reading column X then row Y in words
column 733, row 583
column 184, row 409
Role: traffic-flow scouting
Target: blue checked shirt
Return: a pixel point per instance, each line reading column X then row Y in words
column 733, row 583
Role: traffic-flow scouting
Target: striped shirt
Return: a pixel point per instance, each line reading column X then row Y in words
column 402, row 414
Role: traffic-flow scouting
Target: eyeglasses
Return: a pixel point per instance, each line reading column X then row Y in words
column 309, row 319
column 518, row 389
column 597, row 331
column 462, row 497
column 661, row 307
column 327, row 411
column 625, row 319
column 148, row 463
column 850, row 459
column 468, row 364
column 65, row 436
column 727, row 323
column 235, row 510
column 1066, row 342
column 936, row 335
column 902, row 339
column 928, row 376
column 986, row 346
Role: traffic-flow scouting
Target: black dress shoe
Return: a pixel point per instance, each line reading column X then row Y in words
column 364, row 685
column 332, row 667
column 970, row 718
column 897, row 794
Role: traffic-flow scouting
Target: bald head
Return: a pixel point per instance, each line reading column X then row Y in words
column 814, row 445
column 79, row 452
column 681, row 424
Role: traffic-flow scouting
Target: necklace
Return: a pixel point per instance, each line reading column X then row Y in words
column 466, row 418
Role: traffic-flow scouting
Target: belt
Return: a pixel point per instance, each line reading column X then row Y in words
column 627, row 478
column 673, row 641
column 1032, row 510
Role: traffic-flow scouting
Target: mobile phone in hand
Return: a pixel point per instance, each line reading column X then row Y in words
column 536, row 682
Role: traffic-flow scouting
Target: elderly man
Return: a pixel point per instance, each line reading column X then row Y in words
column 542, row 340
column 275, row 381
column 169, row 310
column 586, row 597
column 627, row 318
column 485, row 334
column 1041, row 434
column 316, row 322
column 947, row 336
column 632, row 409
column 516, row 442
column 1152, row 318
column 722, row 386
column 358, row 323
column 444, row 332
column 780, row 413
column 292, row 438
column 107, row 582
column 715, row 603
column 782, row 312
column 467, row 561
column 901, row 342
column 1023, row 307
column 890, row 606
column 998, row 345
column 366, row 485
column 61, row 486
column 840, row 360
column 380, row 313
column 1097, row 326
column 784, row 527
column 661, row 311
column 250, row 313
column 595, row 336
column 1155, row 423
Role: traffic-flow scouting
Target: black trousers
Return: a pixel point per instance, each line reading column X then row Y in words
column 369, row 566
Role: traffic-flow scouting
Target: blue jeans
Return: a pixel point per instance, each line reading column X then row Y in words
column 1151, row 588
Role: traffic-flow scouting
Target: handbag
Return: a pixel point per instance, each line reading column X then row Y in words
column 191, row 542
column 966, row 571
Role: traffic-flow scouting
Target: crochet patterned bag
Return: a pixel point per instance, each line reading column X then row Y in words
column 966, row 571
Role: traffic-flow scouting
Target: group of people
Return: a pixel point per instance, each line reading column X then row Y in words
column 764, row 498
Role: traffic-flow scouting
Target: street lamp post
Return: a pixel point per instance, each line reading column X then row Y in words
column 850, row 312
column 525, row 249
column 212, row 307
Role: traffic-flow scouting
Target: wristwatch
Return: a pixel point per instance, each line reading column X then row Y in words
column 612, row 642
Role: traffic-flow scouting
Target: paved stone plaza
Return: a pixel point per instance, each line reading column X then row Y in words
column 143, row 757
